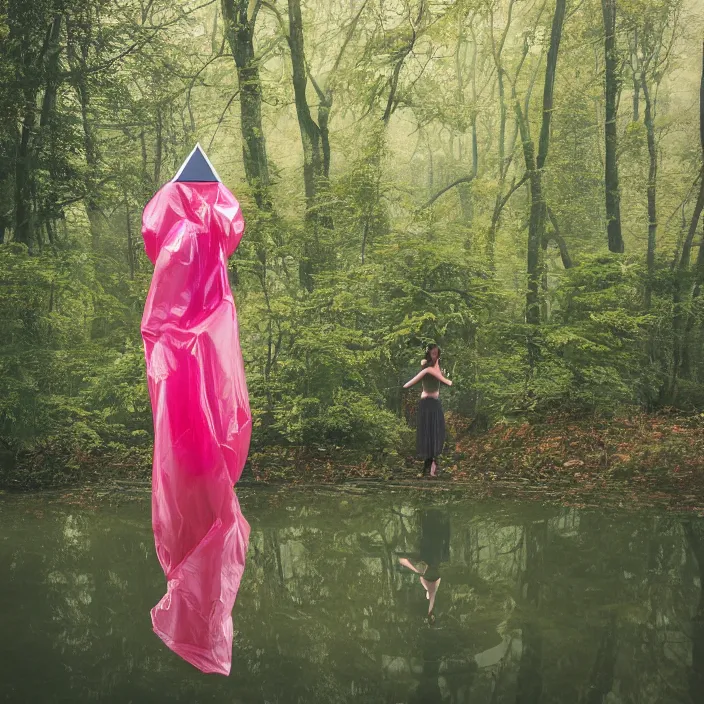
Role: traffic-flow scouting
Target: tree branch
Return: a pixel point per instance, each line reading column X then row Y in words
column 548, row 92
column 348, row 38
column 321, row 95
column 506, row 198
column 402, row 55
column 279, row 16
column 557, row 237
column 222, row 117
column 152, row 31
column 462, row 179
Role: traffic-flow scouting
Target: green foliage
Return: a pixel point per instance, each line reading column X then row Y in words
column 350, row 419
column 598, row 343
column 101, row 100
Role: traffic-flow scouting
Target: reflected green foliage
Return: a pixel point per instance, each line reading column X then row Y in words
column 389, row 161
column 534, row 604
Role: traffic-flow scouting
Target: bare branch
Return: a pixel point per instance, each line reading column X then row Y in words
column 557, row 237
column 506, row 198
column 275, row 10
column 462, row 179
column 222, row 117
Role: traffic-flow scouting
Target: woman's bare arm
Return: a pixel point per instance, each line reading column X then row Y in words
column 416, row 378
column 438, row 375
column 407, row 563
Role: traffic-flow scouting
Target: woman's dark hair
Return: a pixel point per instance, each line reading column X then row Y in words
column 429, row 355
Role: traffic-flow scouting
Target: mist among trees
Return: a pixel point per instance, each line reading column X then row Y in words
column 520, row 182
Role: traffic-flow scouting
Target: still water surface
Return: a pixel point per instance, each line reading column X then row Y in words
column 534, row 605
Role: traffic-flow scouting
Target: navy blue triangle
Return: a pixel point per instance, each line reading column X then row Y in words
column 197, row 169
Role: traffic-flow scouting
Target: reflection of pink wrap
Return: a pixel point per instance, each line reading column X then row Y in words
column 202, row 422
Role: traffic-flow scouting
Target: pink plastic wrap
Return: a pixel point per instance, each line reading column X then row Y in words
column 202, row 421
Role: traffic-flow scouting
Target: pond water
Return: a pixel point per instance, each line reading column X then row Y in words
column 533, row 604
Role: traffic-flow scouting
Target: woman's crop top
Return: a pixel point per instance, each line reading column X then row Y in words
column 431, row 383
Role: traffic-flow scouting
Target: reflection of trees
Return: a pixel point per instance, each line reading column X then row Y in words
column 536, row 605
column 601, row 679
column 695, row 538
column 530, row 669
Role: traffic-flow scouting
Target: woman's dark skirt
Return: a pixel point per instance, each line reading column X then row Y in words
column 430, row 428
column 434, row 537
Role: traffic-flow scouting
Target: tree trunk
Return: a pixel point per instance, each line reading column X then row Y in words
column 374, row 217
column 239, row 30
column 323, row 124
column 636, row 99
column 313, row 161
column 500, row 73
column 652, row 182
column 682, row 281
column 47, row 200
column 535, row 165
column 549, row 88
column 24, row 166
column 130, row 242
column 23, row 171
column 240, row 36
column 699, row 205
column 611, row 86
column 695, row 539
column 529, row 684
column 536, row 226
column 634, row 74
column 503, row 162
column 475, row 149
column 52, row 65
column 557, row 237
column 601, row 680
column 158, row 146
column 464, row 191
column 78, row 48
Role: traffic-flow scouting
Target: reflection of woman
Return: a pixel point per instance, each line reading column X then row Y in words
column 430, row 427
column 428, row 689
column 434, row 549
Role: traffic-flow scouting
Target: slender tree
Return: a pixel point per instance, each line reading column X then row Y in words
column 38, row 63
column 695, row 540
column 240, row 20
column 611, row 90
column 529, row 681
column 653, row 45
column 536, row 163
column 81, row 37
column 314, row 165
column 685, row 284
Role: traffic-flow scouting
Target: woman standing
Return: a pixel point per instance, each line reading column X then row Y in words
column 430, row 426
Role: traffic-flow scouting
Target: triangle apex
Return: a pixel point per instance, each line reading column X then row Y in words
column 197, row 167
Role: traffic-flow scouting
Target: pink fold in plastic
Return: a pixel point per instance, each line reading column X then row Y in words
column 202, row 421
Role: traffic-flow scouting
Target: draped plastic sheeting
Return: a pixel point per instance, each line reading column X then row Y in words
column 202, row 421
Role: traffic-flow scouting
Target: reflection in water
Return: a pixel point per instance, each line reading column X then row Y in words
column 695, row 537
column 530, row 669
column 434, row 550
column 526, row 604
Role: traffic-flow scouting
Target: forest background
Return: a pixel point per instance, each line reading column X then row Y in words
column 520, row 181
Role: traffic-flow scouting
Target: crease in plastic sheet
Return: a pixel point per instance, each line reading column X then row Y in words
column 202, row 420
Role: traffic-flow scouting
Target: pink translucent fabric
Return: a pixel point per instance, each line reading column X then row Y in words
column 202, row 421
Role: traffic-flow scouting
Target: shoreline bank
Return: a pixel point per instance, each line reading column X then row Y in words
column 637, row 460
